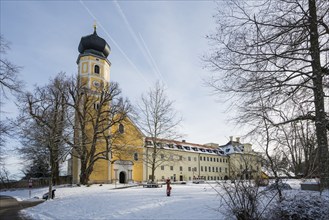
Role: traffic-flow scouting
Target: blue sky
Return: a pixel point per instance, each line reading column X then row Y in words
column 150, row 41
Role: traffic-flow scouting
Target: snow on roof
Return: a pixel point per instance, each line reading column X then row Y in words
column 229, row 148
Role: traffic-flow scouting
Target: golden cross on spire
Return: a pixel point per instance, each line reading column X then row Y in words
column 95, row 25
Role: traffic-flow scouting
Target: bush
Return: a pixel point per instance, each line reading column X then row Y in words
column 303, row 206
column 280, row 185
column 261, row 182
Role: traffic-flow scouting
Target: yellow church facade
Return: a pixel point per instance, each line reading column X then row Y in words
column 128, row 159
column 124, row 162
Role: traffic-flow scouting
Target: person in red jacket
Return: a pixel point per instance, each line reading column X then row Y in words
column 168, row 187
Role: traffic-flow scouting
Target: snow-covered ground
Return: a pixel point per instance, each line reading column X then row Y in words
column 190, row 201
column 104, row 202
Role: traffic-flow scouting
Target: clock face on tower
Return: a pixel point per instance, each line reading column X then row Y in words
column 96, row 84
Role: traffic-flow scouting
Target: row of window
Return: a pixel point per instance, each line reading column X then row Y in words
column 218, row 160
column 214, row 178
column 212, row 169
column 194, row 169
column 173, row 178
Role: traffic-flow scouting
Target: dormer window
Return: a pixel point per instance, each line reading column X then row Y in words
column 96, row 69
column 187, row 148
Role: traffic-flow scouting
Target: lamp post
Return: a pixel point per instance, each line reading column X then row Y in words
column 30, row 186
column 115, row 177
column 129, row 176
column 194, row 170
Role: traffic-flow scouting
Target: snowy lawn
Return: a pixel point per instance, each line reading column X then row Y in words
column 191, row 201
column 103, row 202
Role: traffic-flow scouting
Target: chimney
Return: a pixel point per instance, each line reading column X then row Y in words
column 238, row 139
column 183, row 141
column 231, row 138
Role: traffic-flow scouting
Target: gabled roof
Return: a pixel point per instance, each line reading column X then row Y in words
column 134, row 124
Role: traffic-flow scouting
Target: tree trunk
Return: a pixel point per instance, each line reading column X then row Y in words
column 153, row 161
column 320, row 115
column 84, row 177
column 55, row 169
column 50, row 186
column 86, row 170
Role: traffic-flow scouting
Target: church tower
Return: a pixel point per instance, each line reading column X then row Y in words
column 93, row 65
column 93, row 76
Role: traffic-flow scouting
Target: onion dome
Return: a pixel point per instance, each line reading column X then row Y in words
column 94, row 44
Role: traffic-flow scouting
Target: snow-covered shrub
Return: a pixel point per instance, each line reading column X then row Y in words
column 244, row 200
column 261, row 181
column 280, row 185
column 302, row 206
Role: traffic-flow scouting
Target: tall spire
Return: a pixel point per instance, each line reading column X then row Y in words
column 95, row 26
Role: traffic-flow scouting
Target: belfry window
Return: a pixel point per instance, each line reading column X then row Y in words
column 135, row 156
column 96, row 69
column 121, row 129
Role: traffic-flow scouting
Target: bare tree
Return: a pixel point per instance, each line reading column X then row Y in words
column 96, row 111
column 157, row 119
column 34, row 150
column 4, row 176
column 9, row 82
column 163, row 156
column 278, row 48
column 46, row 110
column 296, row 142
column 257, row 115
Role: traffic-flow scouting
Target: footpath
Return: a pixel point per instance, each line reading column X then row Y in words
column 10, row 207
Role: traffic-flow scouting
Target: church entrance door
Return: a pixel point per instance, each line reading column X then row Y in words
column 122, row 177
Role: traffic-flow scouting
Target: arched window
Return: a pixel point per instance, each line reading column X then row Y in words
column 121, row 129
column 96, row 69
column 96, row 105
column 136, row 156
